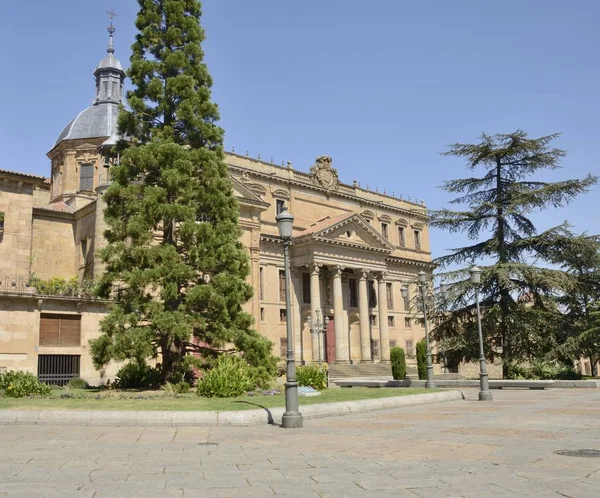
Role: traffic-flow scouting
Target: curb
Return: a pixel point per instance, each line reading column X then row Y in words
column 208, row 419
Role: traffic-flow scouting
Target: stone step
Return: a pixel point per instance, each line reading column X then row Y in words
column 343, row 371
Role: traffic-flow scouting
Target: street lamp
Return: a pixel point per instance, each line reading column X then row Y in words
column 430, row 383
column 484, row 393
column 292, row 418
column 318, row 327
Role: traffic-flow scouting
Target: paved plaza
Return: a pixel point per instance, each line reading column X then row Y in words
column 460, row 448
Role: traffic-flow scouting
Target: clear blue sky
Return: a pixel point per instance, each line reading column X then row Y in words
column 381, row 86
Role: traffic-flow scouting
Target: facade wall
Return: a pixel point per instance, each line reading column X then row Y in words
column 16, row 202
column 54, row 253
column 19, row 334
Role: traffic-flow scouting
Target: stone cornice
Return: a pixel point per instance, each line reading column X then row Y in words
column 416, row 213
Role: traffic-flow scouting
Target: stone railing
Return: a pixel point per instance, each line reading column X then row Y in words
column 26, row 285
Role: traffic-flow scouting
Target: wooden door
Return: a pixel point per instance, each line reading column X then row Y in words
column 330, row 341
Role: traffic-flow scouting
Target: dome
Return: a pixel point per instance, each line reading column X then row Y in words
column 110, row 62
column 100, row 120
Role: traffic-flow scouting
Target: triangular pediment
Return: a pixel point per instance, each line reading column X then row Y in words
column 348, row 230
column 244, row 194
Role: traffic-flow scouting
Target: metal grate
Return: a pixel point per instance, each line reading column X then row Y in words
column 58, row 369
column 579, row 453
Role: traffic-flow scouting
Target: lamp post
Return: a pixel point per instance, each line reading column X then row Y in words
column 318, row 327
column 484, row 393
column 292, row 418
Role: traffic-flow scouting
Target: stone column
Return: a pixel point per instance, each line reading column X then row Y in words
column 363, row 310
column 341, row 337
column 315, row 304
column 384, row 338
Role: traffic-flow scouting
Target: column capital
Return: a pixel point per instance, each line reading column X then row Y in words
column 314, row 268
column 336, row 270
column 362, row 274
column 382, row 275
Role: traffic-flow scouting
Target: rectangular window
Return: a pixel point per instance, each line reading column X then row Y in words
column 410, row 347
column 283, row 347
column 282, row 285
column 418, row 239
column 391, row 321
column 407, row 323
column 384, row 230
column 84, row 250
column 86, row 177
column 282, row 315
column 262, row 283
column 373, row 320
column 280, row 206
column 60, row 330
column 2, row 215
column 393, row 343
column 306, row 288
column 401, row 237
column 262, row 314
column 390, row 295
column 352, row 292
column 407, row 300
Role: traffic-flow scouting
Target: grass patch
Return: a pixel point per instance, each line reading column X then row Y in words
column 96, row 399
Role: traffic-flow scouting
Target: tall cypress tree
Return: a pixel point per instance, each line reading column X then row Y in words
column 518, row 308
column 175, row 265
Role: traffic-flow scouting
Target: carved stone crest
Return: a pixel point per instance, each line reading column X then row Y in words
column 324, row 174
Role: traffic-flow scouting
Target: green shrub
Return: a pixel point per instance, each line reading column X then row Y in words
column 229, row 377
column 542, row 370
column 178, row 388
column 261, row 377
column 77, row 383
column 422, row 359
column 312, row 376
column 398, row 361
column 136, row 375
column 20, row 384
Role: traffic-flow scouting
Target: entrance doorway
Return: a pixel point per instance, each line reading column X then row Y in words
column 330, row 341
column 58, row 369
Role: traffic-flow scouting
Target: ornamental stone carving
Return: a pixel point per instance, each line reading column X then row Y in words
column 324, row 174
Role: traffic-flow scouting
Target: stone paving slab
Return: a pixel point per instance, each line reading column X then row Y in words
column 500, row 448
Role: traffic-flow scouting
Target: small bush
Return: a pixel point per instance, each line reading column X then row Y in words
column 77, row 383
column 542, row 370
column 312, row 376
column 422, row 359
column 136, row 375
column 398, row 361
column 174, row 389
column 20, row 384
column 261, row 378
column 230, row 376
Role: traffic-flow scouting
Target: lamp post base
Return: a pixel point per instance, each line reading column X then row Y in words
column 485, row 396
column 430, row 385
column 292, row 420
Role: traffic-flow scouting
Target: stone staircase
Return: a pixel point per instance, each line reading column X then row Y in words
column 360, row 370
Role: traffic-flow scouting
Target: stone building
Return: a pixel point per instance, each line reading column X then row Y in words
column 352, row 251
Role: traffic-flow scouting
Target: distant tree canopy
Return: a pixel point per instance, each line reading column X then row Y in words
column 519, row 286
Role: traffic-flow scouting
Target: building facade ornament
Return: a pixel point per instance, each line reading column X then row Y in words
column 324, row 174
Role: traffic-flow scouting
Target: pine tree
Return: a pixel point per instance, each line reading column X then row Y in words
column 519, row 312
column 580, row 258
column 175, row 265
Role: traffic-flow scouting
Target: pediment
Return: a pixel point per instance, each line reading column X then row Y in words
column 348, row 230
column 243, row 193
